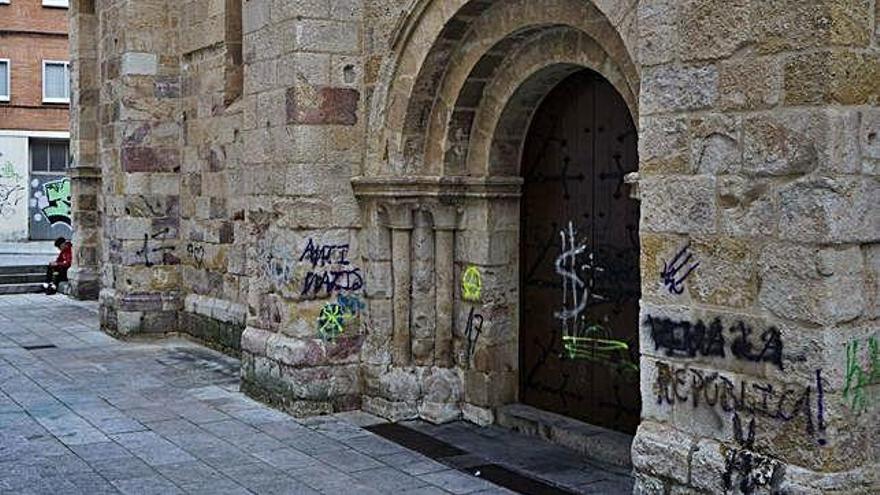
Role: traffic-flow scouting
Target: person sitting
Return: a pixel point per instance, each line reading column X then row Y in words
column 57, row 271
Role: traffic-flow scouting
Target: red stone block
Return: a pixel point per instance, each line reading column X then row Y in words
column 332, row 106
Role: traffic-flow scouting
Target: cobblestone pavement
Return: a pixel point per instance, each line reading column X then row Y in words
column 81, row 412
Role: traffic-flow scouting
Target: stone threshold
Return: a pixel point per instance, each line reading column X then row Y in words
column 594, row 442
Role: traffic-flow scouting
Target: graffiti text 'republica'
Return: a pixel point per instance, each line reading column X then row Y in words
column 681, row 384
column 686, row 339
column 331, row 270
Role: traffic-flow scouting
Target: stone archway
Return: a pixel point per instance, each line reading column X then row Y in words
column 445, row 134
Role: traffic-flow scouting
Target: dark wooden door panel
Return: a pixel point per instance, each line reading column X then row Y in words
column 580, row 257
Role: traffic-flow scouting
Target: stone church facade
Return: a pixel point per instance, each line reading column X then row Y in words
column 656, row 216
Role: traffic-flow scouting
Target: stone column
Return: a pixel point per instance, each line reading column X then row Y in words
column 141, row 160
column 445, row 222
column 401, row 225
column 84, row 171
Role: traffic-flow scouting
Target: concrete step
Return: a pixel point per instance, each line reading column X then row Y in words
column 23, row 269
column 22, row 278
column 21, row 288
column 594, row 442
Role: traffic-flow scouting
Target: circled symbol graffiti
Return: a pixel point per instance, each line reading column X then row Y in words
column 331, row 321
column 471, row 284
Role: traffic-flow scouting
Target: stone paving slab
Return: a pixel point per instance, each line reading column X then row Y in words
column 94, row 415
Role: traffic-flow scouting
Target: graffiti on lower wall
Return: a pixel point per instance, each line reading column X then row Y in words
column 680, row 384
column 11, row 191
column 52, row 201
column 862, row 371
column 743, row 467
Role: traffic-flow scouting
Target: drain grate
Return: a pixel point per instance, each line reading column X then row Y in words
column 37, row 347
column 463, row 461
column 416, row 440
column 512, row 480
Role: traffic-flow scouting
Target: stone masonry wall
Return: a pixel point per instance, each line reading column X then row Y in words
column 311, row 193
column 302, row 131
column 758, row 156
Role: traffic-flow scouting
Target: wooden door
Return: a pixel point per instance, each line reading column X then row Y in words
column 580, row 257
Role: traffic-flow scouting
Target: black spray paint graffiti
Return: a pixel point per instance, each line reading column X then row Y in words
column 686, row 339
column 197, row 253
column 167, row 258
column 682, row 385
column 752, row 470
column 472, row 333
column 670, row 274
column 322, row 279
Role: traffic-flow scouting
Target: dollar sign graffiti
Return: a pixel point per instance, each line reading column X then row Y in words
column 570, row 277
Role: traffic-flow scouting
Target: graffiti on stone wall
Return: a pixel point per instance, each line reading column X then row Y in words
column 11, row 190
column 472, row 333
column 336, row 316
column 197, row 254
column 53, row 201
column 581, row 339
column 677, row 271
column 153, row 252
column 745, row 469
column 862, row 371
column 471, row 284
column 331, row 270
column 701, row 388
column 690, row 339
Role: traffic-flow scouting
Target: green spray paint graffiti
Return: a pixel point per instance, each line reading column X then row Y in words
column 57, row 194
column 335, row 316
column 862, row 371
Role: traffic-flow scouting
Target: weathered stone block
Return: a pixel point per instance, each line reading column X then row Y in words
column 661, row 451
column 746, row 207
column 663, row 145
column 144, row 159
column 715, row 145
column 678, row 204
column 672, row 88
column 712, row 29
column 816, row 285
column 322, row 105
column 844, row 78
column 139, row 64
column 830, row 210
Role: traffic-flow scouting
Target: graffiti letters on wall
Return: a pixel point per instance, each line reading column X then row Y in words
column 682, row 385
column 690, row 339
column 862, row 371
column 154, row 252
column 331, row 271
column 52, row 199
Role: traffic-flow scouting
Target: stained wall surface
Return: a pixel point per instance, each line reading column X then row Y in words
column 330, row 189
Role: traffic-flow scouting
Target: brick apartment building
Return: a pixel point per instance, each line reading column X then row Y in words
column 34, row 102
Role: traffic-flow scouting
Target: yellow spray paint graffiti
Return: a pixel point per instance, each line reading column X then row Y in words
column 471, row 284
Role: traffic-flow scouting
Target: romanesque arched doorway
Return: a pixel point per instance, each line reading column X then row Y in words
column 579, row 256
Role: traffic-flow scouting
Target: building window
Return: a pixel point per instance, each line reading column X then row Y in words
column 56, row 3
column 48, row 155
column 4, row 2
column 56, row 82
column 5, row 79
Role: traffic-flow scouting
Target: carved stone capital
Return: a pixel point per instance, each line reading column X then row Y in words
column 445, row 217
column 399, row 215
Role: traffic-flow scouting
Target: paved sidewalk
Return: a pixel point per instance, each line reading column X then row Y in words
column 93, row 415
column 81, row 412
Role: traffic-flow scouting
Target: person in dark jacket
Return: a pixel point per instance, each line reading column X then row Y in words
column 57, row 271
